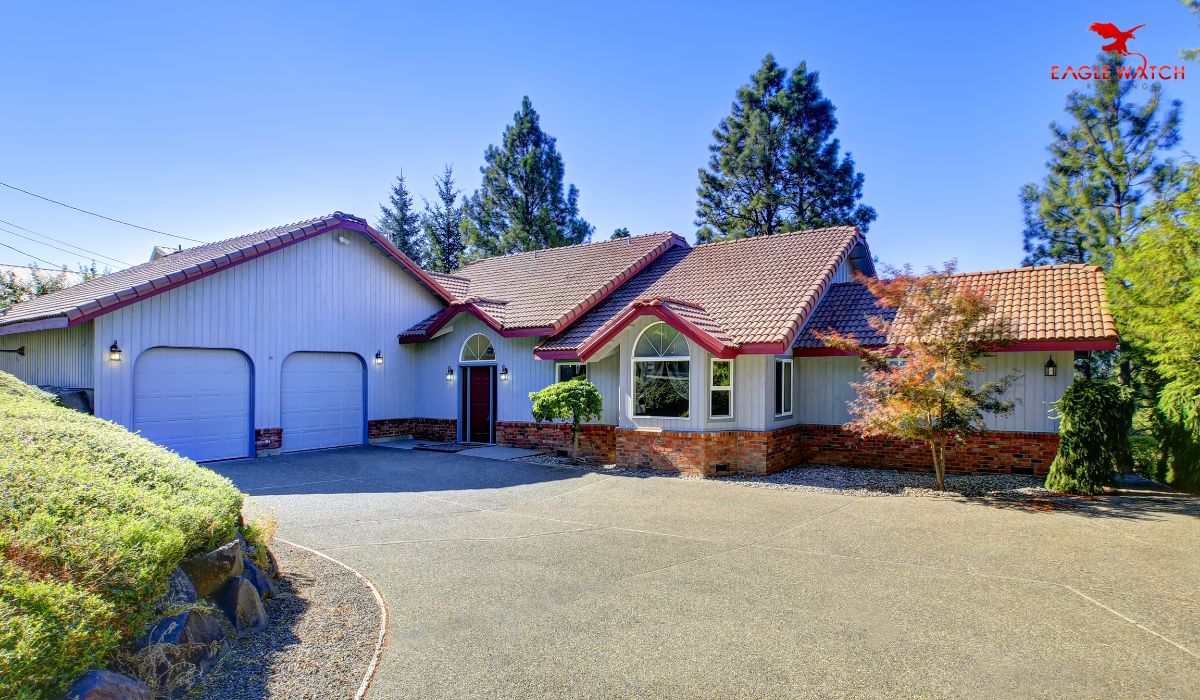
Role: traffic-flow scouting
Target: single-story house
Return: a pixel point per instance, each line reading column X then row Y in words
column 321, row 334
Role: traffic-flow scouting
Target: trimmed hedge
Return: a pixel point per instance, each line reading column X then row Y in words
column 92, row 521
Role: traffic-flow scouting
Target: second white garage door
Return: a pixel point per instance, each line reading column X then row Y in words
column 321, row 400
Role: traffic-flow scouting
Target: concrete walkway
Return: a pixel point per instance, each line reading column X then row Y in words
column 514, row 580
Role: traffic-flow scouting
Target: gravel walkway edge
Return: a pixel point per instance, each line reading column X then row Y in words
column 381, row 640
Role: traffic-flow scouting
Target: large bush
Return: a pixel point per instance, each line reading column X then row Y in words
column 1093, row 436
column 92, row 521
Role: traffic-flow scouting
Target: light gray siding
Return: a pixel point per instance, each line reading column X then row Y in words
column 318, row 295
column 59, row 357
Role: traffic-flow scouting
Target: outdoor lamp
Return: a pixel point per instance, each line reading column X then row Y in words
column 19, row 351
column 1051, row 368
column 114, row 352
column 504, row 373
column 378, row 358
column 449, row 373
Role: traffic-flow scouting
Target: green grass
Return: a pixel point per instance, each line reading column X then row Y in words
column 92, row 521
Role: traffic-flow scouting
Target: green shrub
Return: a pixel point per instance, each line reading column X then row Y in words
column 576, row 400
column 99, row 516
column 1093, row 436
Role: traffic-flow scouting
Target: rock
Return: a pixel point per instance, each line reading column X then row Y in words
column 180, row 649
column 272, row 565
column 180, row 591
column 258, row 578
column 210, row 571
column 242, row 604
column 107, row 685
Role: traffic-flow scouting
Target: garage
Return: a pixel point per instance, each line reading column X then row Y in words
column 322, row 401
column 195, row 401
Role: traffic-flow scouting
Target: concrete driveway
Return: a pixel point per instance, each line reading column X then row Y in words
column 513, row 580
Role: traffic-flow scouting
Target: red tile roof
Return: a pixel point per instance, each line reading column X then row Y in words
column 110, row 292
column 754, row 293
column 1064, row 305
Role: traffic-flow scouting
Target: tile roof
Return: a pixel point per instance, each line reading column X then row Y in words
column 545, row 289
column 754, row 291
column 109, row 292
column 1049, row 303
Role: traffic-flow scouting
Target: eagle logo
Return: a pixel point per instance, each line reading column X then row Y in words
column 1108, row 30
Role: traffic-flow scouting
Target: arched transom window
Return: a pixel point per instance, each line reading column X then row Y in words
column 478, row 349
column 661, row 362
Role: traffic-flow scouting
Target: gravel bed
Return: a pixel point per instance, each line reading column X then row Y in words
column 323, row 624
column 850, row 481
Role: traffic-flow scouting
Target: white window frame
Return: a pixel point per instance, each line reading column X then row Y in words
column 557, row 377
column 712, row 388
column 789, row 370
column 666, row 358
column 462, row 349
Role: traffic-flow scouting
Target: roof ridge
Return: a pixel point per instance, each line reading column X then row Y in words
column 625, row 240
column 1030, row 268
column 773, row 236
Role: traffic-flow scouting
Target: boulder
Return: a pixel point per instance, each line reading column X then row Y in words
column 258, row 578
column 272, row 565
column 180, row 591
column 179, row 650
column 211, row 570
column 107, row 685
column 242, row 604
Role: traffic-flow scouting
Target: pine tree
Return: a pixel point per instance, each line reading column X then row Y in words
column 443, row 225
column 1105, row 168
column 402, row 224
column 521, row 204
column 621, row 233
column 775, row 166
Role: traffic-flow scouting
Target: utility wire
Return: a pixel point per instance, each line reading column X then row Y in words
column 58, row 267
column 69, row 252
column 92, row 213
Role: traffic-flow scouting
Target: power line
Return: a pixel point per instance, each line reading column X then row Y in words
column 59, row 267
column 92, row 213
column 69, row 252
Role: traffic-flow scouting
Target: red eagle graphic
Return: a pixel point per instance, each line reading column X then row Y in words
column 1110, row 31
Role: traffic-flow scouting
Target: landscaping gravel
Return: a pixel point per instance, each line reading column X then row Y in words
column 323, row 623
column 850, row 481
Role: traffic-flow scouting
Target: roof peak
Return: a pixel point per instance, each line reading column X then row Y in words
column 774, row 236
column 611, row 241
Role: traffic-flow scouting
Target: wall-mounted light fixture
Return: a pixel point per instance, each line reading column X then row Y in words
column 19, row 351
column 504, row 373
column 1051, row 367
column 378, row 358
column 449, row 373
column 114, row 352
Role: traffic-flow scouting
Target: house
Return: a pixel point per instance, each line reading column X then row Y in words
column 321, row 333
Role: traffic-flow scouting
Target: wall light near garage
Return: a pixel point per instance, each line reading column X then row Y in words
column 504, row 373
column 378, row 358
column 449, row 373
column 1051, row 367
column 114, row 352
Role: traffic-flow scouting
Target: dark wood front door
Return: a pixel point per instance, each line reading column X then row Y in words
column 479, row 402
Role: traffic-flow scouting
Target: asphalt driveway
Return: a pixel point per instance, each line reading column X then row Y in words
column 514, row 580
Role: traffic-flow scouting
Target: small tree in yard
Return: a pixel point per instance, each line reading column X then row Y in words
column 919, row 386
column 576, row 400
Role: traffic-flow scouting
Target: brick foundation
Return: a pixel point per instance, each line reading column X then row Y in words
column 995, row 452
column 268, row 439
column 439, row 429
column 596, row 441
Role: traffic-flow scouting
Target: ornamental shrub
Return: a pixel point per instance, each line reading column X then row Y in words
column 575, row 400
column 1093, row 436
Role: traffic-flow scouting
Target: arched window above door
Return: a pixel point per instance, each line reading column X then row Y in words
column 478, row 349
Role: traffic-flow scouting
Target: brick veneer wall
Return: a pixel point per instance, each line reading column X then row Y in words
column 439, row 429
column 993, row 452
column 268, row 439
column 594, row 440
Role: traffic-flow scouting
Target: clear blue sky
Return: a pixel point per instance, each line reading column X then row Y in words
column 215, row 119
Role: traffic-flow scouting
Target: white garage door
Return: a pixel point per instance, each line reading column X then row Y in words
column 321, row 400
column 194, row 401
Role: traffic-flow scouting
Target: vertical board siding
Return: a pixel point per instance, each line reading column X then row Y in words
column 318, row 295
column 56, row 357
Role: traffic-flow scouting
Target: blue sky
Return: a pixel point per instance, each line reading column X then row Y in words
column 214, row 119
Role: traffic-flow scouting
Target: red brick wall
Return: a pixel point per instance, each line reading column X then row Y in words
column 268, row 439
column 594, row 440
column 993, row 452
column 440, row 429
column 697, row 454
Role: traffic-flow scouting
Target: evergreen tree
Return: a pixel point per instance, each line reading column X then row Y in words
column 402, row 224
column 775, row 166
column 521, row 204
column 1105, row 167
column 443, row 223
column 621, row 233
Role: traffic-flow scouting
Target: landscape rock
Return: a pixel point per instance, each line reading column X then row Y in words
column 179, row 650
column 258, row 578
column 242, row 604
column 210, row 571
column 272, row 565
column 180, row 591
column 107, row 685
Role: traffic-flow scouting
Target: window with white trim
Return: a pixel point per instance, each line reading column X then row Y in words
column 566, row 371
column 783, row 387
column 661, row 364
column 478, row 349
column 720, row 389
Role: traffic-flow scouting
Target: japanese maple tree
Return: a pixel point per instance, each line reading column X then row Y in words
column 921, row 386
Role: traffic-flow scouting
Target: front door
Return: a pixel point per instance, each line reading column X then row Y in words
column 479, row 401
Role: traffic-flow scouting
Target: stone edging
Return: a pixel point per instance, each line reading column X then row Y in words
column 383, row 616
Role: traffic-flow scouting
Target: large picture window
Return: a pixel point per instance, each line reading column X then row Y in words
column 721, row 389
column 660, row 373
column 783, row 388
